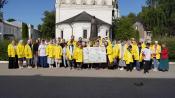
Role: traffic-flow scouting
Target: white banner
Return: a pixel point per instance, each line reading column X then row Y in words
column 94, row 55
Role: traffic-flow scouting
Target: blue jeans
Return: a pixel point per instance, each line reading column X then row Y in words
column 137, row 65
column 43, row 61
column 156, row 63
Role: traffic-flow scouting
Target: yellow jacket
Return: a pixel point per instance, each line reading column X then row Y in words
column 116, row 51
column 135, row 52
column 156, row 52
column 78, row 54
column 74, row 43
column 28, row 51
column 11, row 51
column 50, row 51
column 143, row 45
column 128, row 57
column 110, row 53
column 120, row 48
column 58, row 52
column 20, row 51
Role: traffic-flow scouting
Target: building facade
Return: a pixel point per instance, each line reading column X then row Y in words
column 75, row 17
column 145, row 34
column 13, row 30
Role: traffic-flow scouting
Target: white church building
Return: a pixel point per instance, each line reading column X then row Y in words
column 85, row 18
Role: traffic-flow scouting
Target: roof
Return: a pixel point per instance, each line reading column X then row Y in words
column 83, row 17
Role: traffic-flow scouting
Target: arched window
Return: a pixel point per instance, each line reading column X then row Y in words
column 83, row 2
column 62, row 2
column 94, row 2
column 73, row 2
column 103, row 2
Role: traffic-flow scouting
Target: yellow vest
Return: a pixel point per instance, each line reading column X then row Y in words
column 58, row 52
column 20, row 51
column 50, row 51
column 74, row 43
column 78, row 54
column 128, row 57
column 110, row 53
column 11, row 51
column 28, row 52
column 156, row 52
column 116, row 51
column 135, row 52
column 143, row 46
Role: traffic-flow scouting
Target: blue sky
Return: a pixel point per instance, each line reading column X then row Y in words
column 31, row 11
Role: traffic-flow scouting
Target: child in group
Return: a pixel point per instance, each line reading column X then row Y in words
column 28, row 54
column 58, row 54
column 50, row 54
column 70, row 54
column 147, row 58
column 109, row 50
column 128, row 57
column 78, row 55
column 64, row 54
column 20, row 52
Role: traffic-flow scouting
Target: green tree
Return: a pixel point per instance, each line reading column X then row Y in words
column 159, row 16
column 39, row 27
column 48, row 26
column 124, row 29
column 11, row 20
column 24, row 31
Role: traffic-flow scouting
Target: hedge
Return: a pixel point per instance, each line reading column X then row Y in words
column 3, row 50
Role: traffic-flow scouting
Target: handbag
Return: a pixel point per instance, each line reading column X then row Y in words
column 122, row 63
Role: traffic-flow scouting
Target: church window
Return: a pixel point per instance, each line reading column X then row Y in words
column 85, row 33
column 83, row 2
column 104, row 2
column 93, row 2
column 62, row 34
column 62, row 1
column 73, row 2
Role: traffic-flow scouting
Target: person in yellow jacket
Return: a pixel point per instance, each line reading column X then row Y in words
column 128, row 57
column 70, row 54
column 136, row 56
column 50, row 54
column 58, row 54
column 28, row 54
column 78, row 55
column 20, row 53
column 116, row 53
column 72, row 41
column 11, row 54
column 156, row 49
column 109, row 54
column 122, row 50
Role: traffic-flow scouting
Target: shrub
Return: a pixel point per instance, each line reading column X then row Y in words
column 3, row 50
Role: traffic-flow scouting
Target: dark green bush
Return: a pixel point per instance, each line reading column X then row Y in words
column 3, row 50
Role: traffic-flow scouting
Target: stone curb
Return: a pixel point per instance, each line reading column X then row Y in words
column 5, row 62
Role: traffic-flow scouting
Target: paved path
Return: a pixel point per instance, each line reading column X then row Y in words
column 66, row 83
column 4, row 71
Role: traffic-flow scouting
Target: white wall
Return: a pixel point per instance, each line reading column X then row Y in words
column 102, row 30
column 78, row 30
column 64, row 12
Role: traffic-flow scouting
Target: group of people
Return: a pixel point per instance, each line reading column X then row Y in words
column 56, row 53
